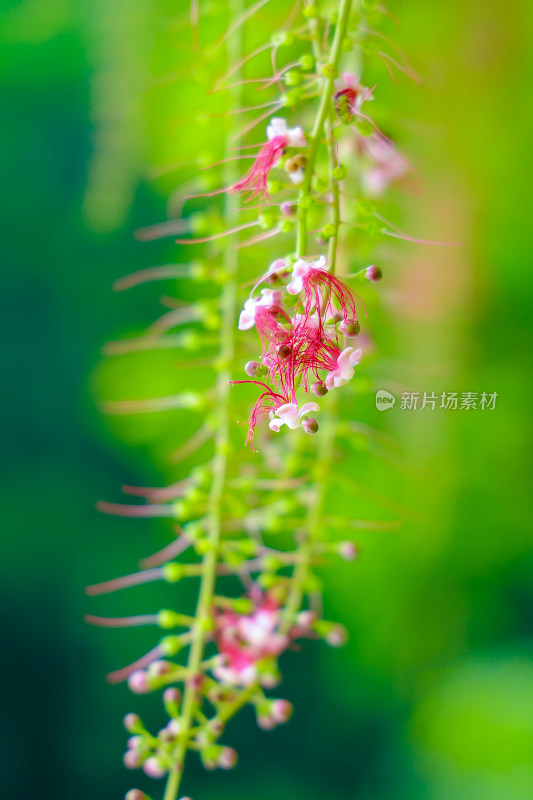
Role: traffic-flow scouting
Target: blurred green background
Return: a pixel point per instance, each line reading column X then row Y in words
column 433, row 696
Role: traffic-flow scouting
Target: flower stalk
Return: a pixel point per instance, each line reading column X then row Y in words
column 305, row 313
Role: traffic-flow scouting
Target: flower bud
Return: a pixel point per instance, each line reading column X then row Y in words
column 132, row 723
column 373, row 274
column 336, row 636
column 153, row 767
column 349, row 327
column 252, row 368
column 281, row 711
column 307, row 61
column 227, row 758
column 158, row 668
column 135, row 742
column 319, row 388
column 310, row 425
column 347, row 551
column 339, row 173
column 171, row 695
column 265, row 722
column 288, row 209
column 138, row 682
column 132, row 759
column 136, row 794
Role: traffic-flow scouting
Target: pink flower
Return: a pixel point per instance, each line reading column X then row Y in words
column 246, row 639
column 301, row 270
column 344, row 371
column 294, row 136
column 388, row 166
column 279, row 138
column 350, row 96
column 289, row 415
column 268, row 299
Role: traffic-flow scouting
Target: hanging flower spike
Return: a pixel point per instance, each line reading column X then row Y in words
column 290, row 416
column 279, row 138
column 350, row 96
column 268, row 299
column 344, row 371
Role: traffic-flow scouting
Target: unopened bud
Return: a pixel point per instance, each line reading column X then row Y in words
column 136, row 794
column 227, row 758
column 349, row 327
column 336, row 636
column 373, row 274
column 310, row 425
column 288, row 209
column 171, row 695
column 132, row 723
column 319, row 388
column 138, row 682
column 158, row 668
column 132, row 759
column 252, row 368
column 347, row 551
column 153, row 767
column 281, row 711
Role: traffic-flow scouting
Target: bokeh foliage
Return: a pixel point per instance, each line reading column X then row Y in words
column 431, row 696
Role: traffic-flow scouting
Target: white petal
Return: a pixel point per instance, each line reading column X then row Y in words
column 355, row 357
column 295, row 286
column 275, row 424
column 246, row 321
column 277, row 127
column 307, row 407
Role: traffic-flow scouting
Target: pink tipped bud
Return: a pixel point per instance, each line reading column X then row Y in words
column 281, row 711
column 373, row 274
column 135, row 742
column 138, row 682
column 349, row 327
column 252, row 368
column 174, row 728
column 153, row 768
column 158, row 668
column 227, row 758
column 132, row 723
column 266, row 723
column 310, row 425
column 347, row 551
column 319, row 388
column 284, row 351
column 337, row 636
column 132, row 759
column 171, row 695
column 288, row 209
column 136, row 794
column 305, row 619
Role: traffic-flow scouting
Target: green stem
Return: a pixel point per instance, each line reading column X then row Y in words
column 222, row 442
column 318, row 128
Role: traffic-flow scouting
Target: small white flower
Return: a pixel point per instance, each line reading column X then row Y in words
column 297, row 177
column 345, row 368
column 300, row 270
column 294, row 136
column 269, row 297
column 289, row 415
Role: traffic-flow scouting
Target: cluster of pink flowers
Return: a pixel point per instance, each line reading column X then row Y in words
column 300, row 325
